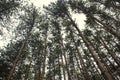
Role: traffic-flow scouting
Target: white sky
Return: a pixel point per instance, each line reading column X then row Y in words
column 79, row 18
column 40, row 3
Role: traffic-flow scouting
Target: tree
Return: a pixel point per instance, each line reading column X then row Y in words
column 7, row 7
column 62, row 7
column 51, row 46
column 30, row 23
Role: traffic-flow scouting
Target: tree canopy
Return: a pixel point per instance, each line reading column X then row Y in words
column 50, row 45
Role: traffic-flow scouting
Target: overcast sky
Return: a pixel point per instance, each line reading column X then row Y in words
column 40, row 3
column 79, row 18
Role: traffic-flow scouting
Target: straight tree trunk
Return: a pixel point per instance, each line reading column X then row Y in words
column 28, row 69
column 38, row 66
column 54, row 74
column 75, row 72
column 60, row 77
column 62, row 47
column 78, row 65
column 45, row 54
column 86, row 75
column 64, row 75
column 64, row 54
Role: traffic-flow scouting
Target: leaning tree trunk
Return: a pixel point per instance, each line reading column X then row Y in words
column 103, row 61
column 17, row 58
column 103, row 69
column 94, row 65
column 113, row 6
column 107, row 28
column 110, row 52
column 107, row 48
column 22, row 47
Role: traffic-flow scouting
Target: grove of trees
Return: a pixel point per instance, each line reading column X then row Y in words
column 50, row 45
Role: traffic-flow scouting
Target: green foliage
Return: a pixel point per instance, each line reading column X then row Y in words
column 54, row 46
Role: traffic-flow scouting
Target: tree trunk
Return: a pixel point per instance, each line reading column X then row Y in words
column 44, row 59
column 28, row 70
column 64, row 75
column 108, row 28
column 17, row 58
column 23, row 46
column 109, row 51
column 60, row 77
column 103, row 69
column 78, row 65
column 64, row 54
column 86, row 75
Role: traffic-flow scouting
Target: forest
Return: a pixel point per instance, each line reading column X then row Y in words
column 49, row 44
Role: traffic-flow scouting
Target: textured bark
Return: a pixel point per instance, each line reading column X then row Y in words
column 103, row 69
column 64, row 75
column 64, row 55
column 62, row 47
column 113, row 6
column 44, row 59
column 28, row 69
column 86, row 75
column 78, row 65
column 23, row 46
column 110, row 29
column 60, row 77
column 109, row 51
column 17, row 58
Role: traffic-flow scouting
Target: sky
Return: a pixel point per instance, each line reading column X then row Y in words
column 79, row 18
column 40, row 3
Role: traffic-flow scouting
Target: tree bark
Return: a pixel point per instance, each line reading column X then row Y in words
column 103, row 69
column 86, row 75
column 17, row 58
column 45, row 54
column 107, row 28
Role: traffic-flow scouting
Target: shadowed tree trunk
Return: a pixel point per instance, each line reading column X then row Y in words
column 45, row 55
column 86, row 75
column 23, row 45
column 17, row 58
column 110, row 29
column 109, row 51
column 103, row 69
